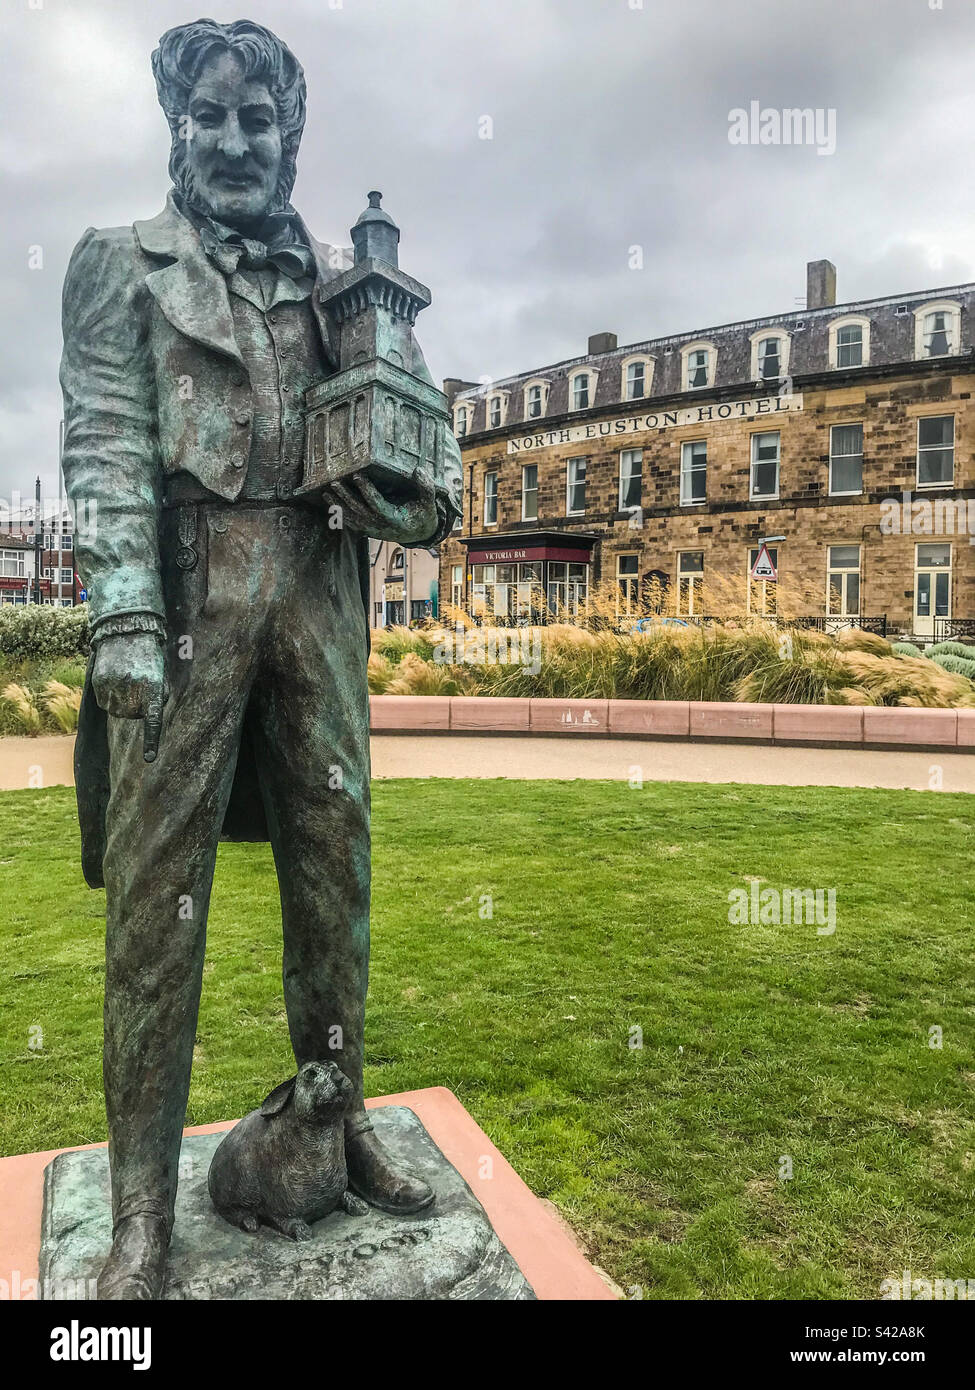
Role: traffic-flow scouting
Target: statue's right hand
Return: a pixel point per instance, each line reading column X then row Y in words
column 130, row 674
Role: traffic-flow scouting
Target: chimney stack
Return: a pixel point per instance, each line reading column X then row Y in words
column 820, row 284
column 601, row 342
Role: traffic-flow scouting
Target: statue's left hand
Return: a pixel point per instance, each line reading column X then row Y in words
column 410, row 521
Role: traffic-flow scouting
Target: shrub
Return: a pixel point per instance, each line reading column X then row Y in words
column 950, row 649
column 39, row 632
column 958, row 665
column 906, row 649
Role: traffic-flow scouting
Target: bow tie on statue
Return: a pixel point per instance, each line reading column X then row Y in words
column 275, row 245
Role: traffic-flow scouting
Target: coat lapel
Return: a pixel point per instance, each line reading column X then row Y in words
column 191, row 291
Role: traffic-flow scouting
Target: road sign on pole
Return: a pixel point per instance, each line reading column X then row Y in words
column 763, row 567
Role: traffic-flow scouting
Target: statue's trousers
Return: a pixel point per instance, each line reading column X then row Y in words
column 266, row 645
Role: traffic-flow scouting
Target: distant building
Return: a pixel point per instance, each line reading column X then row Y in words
column 58, row 581
column 846, row 430
column 402, row 584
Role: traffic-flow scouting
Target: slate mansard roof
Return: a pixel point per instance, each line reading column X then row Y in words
column 892, row 341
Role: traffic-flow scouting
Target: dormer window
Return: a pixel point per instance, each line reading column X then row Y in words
column 497, row 409
column 937, row 330
column 463, row 415
column 698, row 361
column 849, row 343
column 637, row 375
column 536, row 399
column 770, row 355
column 582, row 389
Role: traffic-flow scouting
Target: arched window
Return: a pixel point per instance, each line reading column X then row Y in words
column 770, row 355
column 698, row 361
column 582, row 388
column 396, row 560
column 463, row 419
column 536, row 398
column 636, row 377
column 937, row 329
column 849, row 342
column 497, row 409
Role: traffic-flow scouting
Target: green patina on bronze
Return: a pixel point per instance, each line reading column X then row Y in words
column 227, row 690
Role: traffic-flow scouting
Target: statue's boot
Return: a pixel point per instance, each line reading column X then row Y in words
column 376, row 1177
column 136, row 1266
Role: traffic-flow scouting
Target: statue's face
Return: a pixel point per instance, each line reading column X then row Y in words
column 234, row 154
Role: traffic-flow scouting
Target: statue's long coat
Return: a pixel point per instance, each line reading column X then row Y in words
column 166, row 391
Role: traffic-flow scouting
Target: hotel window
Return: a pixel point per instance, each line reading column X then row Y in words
column 67, row 576
column 849, row 343
column 637, row 376
column 582, row 389
column 631, row 479
column 762, row 592
column 769, row 359
column 845, row 460
column 529, row 492
column 457, row 585
column 698, row 364
column 461, row 420
column 568, row 588
column 490, row 499
column 628, row 584
column 494, row 412
column 770, row 355
column 536, row 399
column 843, row 581
column 575, row 487
column 12, row 563
column 693, row 472
column 66, row 540
column 765, row 465
column 937, row 330
column 935, row 450
column 690, row 577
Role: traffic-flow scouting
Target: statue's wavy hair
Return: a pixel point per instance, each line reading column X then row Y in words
column 183, row 53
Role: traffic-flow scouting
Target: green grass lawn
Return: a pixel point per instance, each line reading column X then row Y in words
column 610, row 909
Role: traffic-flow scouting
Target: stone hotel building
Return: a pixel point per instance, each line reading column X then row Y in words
column 841, row 433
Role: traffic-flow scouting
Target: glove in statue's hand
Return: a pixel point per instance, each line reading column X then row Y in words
column 408, row 520
column 129, row 679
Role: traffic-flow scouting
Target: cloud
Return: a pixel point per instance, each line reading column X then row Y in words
column 610, row 129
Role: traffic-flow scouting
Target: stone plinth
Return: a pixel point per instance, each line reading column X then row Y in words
column 448, row 1251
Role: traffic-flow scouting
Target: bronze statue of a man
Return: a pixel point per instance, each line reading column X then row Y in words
column 227, row 690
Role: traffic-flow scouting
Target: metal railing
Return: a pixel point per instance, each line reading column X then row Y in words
column 837, row 624
column 945, row 628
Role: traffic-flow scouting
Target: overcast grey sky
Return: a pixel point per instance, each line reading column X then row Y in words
column 610, row 130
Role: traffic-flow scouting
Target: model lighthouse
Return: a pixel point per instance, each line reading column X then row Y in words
column 374, row 413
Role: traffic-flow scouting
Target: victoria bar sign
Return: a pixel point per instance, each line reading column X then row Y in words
column 659, row 420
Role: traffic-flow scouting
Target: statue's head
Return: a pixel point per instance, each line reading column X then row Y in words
column 234, row 97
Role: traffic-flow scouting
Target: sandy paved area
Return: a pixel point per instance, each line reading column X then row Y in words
column 453, row 755
column 47, row 761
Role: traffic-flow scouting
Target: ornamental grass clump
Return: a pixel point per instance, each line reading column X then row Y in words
column 62, row 703
column 20, row 707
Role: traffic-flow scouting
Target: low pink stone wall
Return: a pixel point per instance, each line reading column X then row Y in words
column 848, row 724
